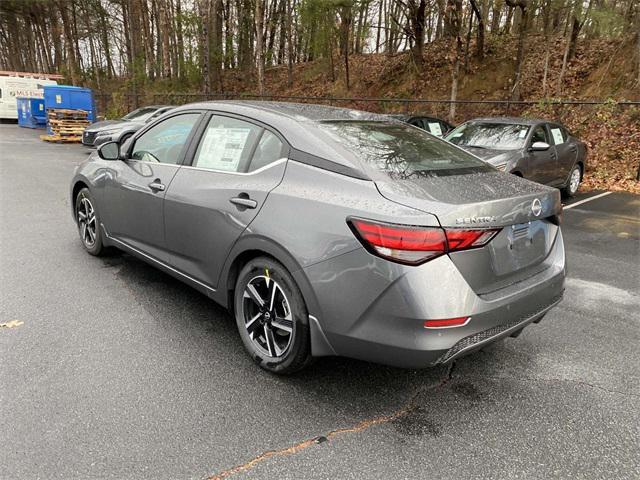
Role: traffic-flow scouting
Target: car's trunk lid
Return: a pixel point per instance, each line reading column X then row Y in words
column 474, row 198
column 524, row 211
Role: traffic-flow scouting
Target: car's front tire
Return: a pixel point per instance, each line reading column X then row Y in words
column 575, row 177
column 88, row 223
column 272, row 317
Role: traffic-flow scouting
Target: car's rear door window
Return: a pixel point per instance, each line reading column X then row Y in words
column 165, row 141
column 558, row 134
column 269, row 149
column 227, row 144
column 399, row 149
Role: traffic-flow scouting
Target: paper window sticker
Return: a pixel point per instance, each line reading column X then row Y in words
column 557, row 136
column 435, row 128
column 522, row 133
column 222, row 148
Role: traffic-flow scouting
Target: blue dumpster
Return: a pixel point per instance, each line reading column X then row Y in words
column 31, row 112
column 69, row 98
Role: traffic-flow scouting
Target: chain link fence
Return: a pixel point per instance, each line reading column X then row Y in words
column 465, row 109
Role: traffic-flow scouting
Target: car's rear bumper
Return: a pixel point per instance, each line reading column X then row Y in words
column 374, row 310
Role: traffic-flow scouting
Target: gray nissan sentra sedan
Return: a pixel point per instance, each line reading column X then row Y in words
column 329, row 231
column 537, row 150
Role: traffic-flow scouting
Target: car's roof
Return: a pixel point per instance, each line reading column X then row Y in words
column 294, row 111
column 509, row 120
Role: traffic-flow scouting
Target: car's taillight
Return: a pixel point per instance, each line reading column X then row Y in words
column 459, row 239
column 414, row 245
column 447, row 322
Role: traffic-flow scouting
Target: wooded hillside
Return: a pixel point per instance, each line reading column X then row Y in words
column 193, row 42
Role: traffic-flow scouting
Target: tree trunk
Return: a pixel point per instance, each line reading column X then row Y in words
column 523, row 6
column 205, row 46
column 480, row 17
column 147, row 39
column 289, row 45
column 104, row 34
column 179, row 39
column 455, row 8
column 246, row 30
column 164, row 22
column 638, row 57
column 260, row 44
column 345, row 26
column 546, row 17
column 495, row 18
column 72, row 64
column 216, row 37
column 563, row 70
column 467, row 44
column 417, row 9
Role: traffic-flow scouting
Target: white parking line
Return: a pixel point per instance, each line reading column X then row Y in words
column 595, row 197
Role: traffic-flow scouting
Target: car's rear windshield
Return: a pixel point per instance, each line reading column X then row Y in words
column 499, row 136
column 139, row 114
column 400, row 149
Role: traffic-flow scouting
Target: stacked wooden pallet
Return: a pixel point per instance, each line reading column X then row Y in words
column 66, row 126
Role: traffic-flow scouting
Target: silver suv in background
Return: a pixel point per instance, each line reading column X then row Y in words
column 122, row 129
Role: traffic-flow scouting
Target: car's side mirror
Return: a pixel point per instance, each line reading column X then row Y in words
column 539, row 147
column 109, row 151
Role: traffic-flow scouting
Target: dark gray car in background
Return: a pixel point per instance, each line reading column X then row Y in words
column 433, row 125
column 120, row 130
column 329, row 231
column 538, row 150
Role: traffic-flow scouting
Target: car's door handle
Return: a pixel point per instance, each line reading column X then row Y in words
column 157, row 186
column 244, row 201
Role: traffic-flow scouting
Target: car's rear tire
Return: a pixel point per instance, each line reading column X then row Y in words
column 575, row 177
column 272, row 317
column 88, row 223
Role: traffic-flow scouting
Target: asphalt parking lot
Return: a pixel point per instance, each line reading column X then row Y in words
column 112, row 369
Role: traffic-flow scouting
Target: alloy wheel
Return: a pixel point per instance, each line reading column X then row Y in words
column 87, row 222
column 267, row 316
column 574, row 181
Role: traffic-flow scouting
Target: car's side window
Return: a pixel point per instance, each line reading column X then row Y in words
column 227, row 144
column 558, row 134
column 164, row 142
column 539, row 135
column 434, row 127
column 269, row 149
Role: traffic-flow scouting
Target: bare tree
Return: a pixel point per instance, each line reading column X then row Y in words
column 260, row 44
column 454, row 8
column 523, row 5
